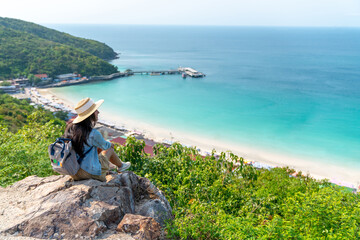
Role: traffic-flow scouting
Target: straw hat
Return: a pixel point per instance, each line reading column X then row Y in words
column 85, row 108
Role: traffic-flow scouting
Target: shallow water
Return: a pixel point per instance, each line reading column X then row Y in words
column 291, row 90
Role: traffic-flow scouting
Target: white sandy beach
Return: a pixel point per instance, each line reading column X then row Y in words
column 341, row 175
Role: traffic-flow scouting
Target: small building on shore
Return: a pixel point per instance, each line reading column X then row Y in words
column 42, row 76
column 68, row 76
column 8, row 89
column 20, row 82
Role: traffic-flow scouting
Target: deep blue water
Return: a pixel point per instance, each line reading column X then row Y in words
column 291, row 90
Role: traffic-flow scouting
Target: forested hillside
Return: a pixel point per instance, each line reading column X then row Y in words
column 23, row 53
column 93, row 47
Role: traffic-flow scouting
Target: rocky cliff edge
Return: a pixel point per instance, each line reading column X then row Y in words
column 57, row 208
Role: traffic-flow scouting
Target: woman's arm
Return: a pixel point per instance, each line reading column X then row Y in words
column 100, row 142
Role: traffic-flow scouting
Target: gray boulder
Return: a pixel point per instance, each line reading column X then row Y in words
column 155, row 209
column 57, row 208
column 140, row 227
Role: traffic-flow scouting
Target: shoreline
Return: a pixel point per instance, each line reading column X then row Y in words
column 318, row 170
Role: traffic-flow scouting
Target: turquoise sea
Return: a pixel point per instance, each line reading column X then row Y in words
column 290, row 90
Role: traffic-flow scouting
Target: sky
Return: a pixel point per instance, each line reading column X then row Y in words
column 338, row 13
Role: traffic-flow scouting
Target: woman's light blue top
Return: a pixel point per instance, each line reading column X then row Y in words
column 91, row 163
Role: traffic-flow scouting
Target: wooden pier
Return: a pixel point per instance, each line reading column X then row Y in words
column 157, row 72
column 187, row 71
column 184, row 71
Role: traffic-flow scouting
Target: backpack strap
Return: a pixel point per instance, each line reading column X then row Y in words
column 82, row 158
column 59, row 140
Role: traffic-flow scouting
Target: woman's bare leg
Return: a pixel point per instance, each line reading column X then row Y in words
column 112, row 156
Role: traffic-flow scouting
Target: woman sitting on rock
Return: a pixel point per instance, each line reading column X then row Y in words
column 86, row 140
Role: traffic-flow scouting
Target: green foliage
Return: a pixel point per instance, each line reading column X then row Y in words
column 25, row 133
column 213, row 199
column 36, row 81
column 24, row 53
column 14, row 113
column 24, row 153
column 95, row 48
column 61, row 115
column 5, row 83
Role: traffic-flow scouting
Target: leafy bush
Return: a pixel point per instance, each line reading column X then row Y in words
column 5, row 83
column 14, row 113
column 213, row 199
column 24, row 153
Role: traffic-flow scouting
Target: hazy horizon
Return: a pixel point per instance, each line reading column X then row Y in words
column 263, row 13
column 188, row 25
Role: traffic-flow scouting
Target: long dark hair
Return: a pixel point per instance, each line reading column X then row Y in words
column 79, row 133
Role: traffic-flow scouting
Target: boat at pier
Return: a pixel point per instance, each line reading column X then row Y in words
column 191, row 72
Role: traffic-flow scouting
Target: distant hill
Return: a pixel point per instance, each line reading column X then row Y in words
column 93, row 47
column 24, row 53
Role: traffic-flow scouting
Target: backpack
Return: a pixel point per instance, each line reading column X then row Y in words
column 63, row 157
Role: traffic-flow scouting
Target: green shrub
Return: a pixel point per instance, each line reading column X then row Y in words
column 211, row 199
column 24, row 153
column 14, row 113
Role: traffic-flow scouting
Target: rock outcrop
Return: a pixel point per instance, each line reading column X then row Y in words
column 140, row 227
column 57, row 208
